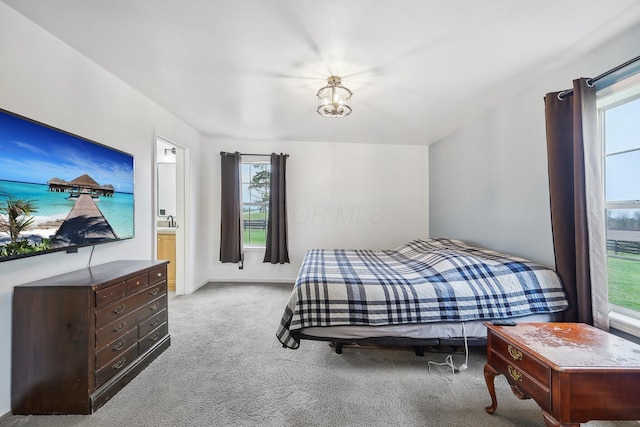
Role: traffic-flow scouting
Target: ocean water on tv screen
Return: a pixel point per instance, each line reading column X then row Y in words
column 52, row 206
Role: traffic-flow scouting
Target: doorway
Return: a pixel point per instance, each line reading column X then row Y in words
column 169, row 212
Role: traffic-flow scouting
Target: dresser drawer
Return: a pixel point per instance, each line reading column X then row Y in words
column 118, row 364
column 158, row 275
column 136, row 284
column 152, row 308
column 109, row 294
column 125, row 306
column 521, row 360
column 116, row 347
column 115, row 330
column 522, row 379
column 152, row 337
column 151, row 323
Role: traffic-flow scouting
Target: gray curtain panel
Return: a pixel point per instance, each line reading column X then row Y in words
column 571, row 122
column 231, row 248
column 277, row 251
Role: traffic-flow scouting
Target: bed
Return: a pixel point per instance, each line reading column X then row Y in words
column 423, row 293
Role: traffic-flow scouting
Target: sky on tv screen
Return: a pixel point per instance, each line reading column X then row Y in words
column 34, row 153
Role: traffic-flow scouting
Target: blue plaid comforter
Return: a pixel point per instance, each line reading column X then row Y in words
column 422, row 281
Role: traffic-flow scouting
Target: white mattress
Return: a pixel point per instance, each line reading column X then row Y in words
column 473, row 329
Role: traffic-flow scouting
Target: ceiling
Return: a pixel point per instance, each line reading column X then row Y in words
column 250, row 69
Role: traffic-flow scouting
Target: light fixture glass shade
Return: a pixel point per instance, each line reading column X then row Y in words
column 334, row 99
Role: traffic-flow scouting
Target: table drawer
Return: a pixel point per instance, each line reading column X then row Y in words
column 158, row 275
column 152, row 337
column 109, row 294
column 115, row 330
column 151, row 323
column 128, row 305
column 154, row 307
column 522, row 360
column 521, row 379
column 118, row 364
column 116, row 347
column 136, row 284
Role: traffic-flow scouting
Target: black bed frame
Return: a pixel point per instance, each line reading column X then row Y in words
column 418, row 344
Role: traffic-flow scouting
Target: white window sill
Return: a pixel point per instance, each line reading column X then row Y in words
column 624, row 323
column 254, row 248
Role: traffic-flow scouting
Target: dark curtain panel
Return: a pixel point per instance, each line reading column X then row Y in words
column 231, row 209
column 277, row 251
column 571, row 123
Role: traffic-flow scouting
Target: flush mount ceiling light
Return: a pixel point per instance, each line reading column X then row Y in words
column 334, row 99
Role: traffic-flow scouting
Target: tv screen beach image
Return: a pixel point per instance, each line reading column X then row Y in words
column 58, row 190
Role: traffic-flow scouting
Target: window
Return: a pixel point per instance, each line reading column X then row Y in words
column 619, row 115
column 256, row 176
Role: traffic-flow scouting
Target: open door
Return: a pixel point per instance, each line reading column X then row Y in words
column 170, row 211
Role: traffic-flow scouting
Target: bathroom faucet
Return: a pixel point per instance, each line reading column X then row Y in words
column 171, row 221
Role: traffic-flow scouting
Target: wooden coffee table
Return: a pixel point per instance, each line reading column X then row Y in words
column 575, row 372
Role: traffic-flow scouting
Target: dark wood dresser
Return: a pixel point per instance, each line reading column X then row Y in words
column 80, row 337
column 575, row 372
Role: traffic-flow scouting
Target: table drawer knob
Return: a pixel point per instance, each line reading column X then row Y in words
column 120, row 327
column 154, row 292
column 120, row 309
column 515, row 374
column 120, row 363
column 159, row 274
column 119, row 346
column 154, row 307
column 515, row 354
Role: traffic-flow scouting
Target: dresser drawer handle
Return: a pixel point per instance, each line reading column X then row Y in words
column 153, row 292
column 119, row 346
column 515, row 354
column 515, row 374
column 159, row 274
column 155, row 321
column 120, row 309
column 155, row 337
column 120, row 363
column 138, row 283
column 154, row 307
column 119, row 327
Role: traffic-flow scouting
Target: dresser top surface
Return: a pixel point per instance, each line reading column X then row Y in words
column 97, row 275
column 572, row 345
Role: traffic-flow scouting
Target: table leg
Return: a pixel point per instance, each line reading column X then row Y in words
column 489, row 375
column 552, row 422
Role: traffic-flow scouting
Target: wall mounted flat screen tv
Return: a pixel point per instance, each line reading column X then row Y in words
column 59, row 191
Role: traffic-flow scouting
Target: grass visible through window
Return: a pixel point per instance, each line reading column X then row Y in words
column 254, row 236
column 624, row 282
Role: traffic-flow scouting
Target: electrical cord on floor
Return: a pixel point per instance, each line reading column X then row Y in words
column 449, row 361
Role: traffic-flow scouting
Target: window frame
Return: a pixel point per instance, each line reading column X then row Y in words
column 623, row 92
column 252, row 160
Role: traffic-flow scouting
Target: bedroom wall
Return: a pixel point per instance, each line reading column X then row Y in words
column 360, row 196
column 489, row 182
column 46, row 80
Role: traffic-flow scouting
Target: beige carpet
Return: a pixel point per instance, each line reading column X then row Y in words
column 225, row 367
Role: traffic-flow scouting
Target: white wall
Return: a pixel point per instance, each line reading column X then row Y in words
column 45, row 80
column 489, row 181
column 358, row 196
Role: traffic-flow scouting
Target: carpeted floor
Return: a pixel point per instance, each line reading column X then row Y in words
column 225, row 367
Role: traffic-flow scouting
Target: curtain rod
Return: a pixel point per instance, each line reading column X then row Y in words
column 247, row 154
column 592, row 81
